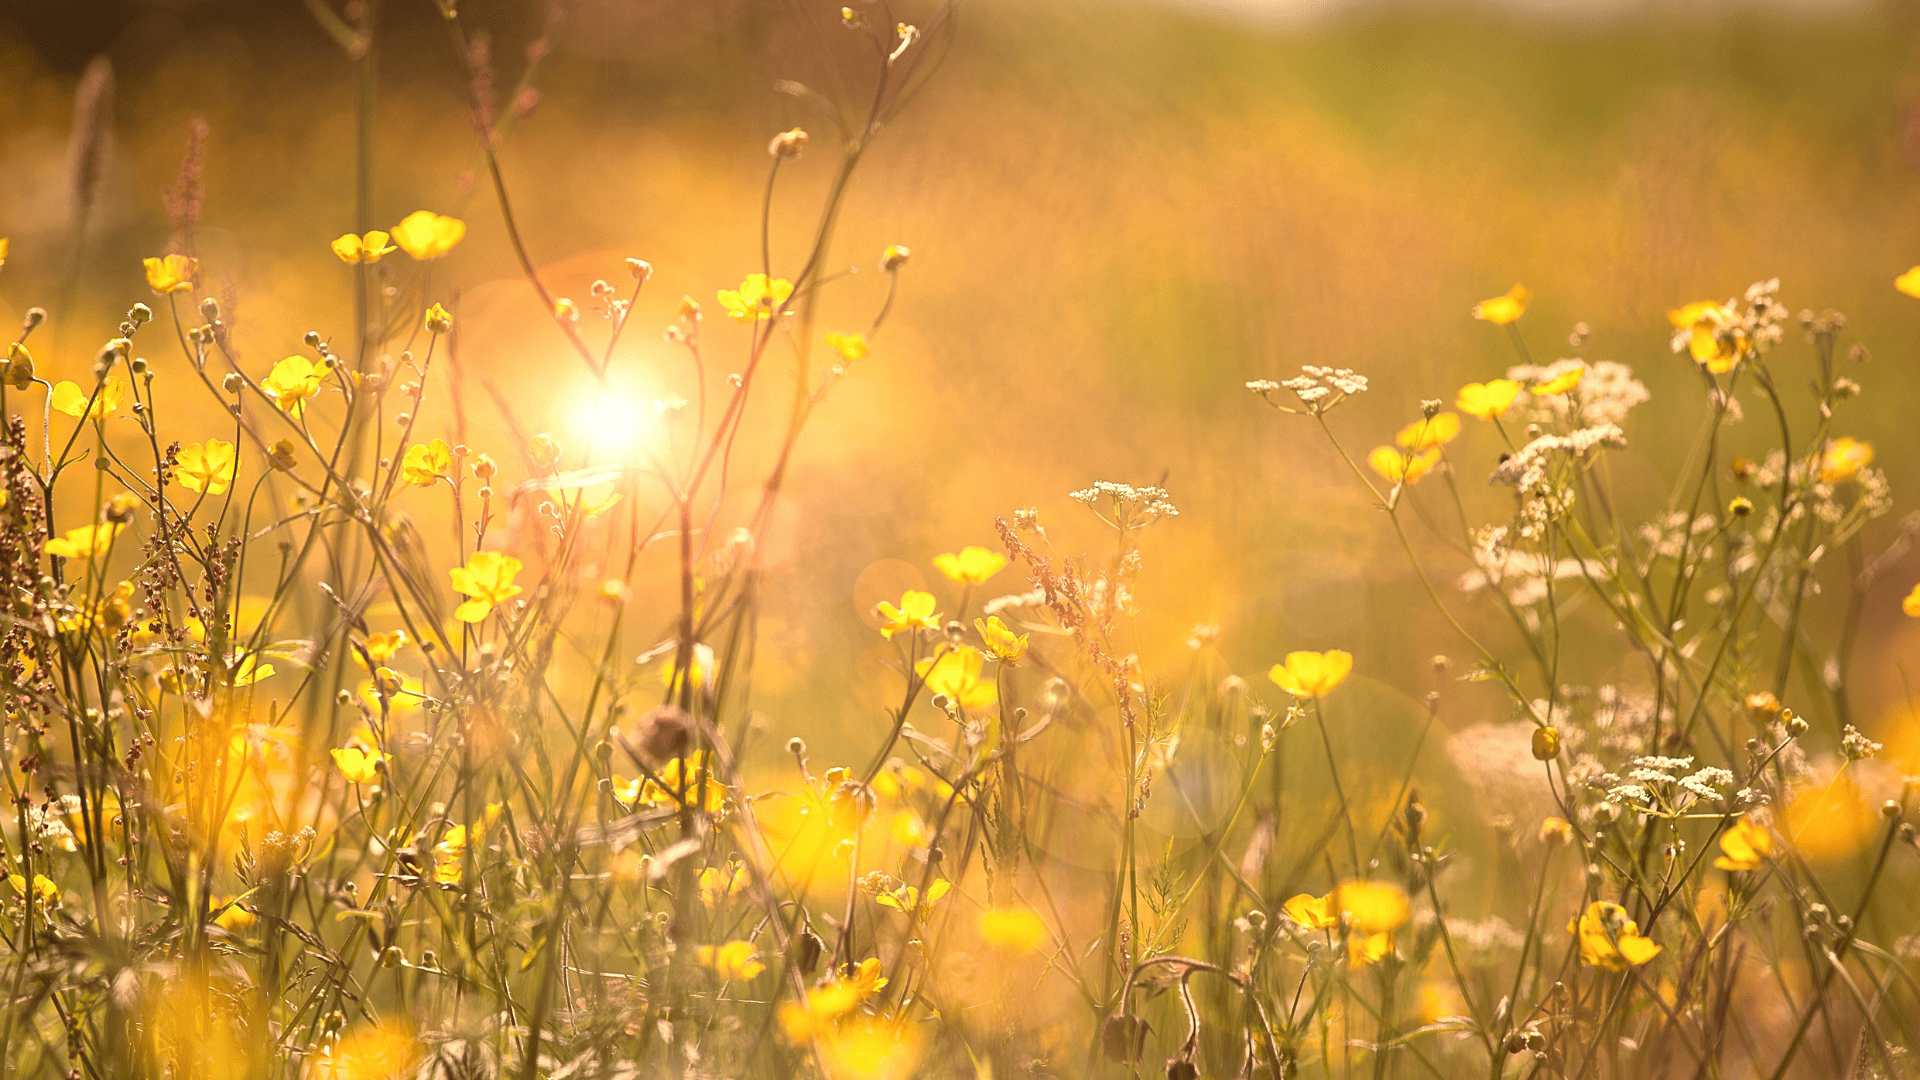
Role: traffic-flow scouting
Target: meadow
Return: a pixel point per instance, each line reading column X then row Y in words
column 619, row 540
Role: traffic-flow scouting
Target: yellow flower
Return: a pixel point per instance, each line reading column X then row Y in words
column 426, row 463
column 70, row 399
column 864, row 978
column 1312, row 674
column 1372, row 907
column 907, row 898
column 1005, row 645
column 914, row 613
column 449, row 855
column 85, row 542
column 1703, row 321
column 733, row 961
column 1843, row 458
column 381, row 648
column 972, row 566
column 170, row 275
column 1016, row 929
column 424, row 234
column 1487, row 400
column 45, row 892
column 249, row 669
column 1401, row 466
column 910, row 831
column 802, row 1021
column 362, row 249
column 717, row 885
column 292, row 381
column 1745, row 846
column 358, row 763
column 1909, row 282
column 545, row 450
column 1502, row 310
column 1561, row 383
column 757, row 298
column 850, row 346
column 488, row 580
column 700, row 788
column 1364, row 949
column 1556, row 831
column 872, row 1050
column 1911, row 604
column 956, row 673
column 1312, row 912
column 206, row 467
column 1609, row 940
column 381, row 1051
column 1427, row 434
column 437, row 320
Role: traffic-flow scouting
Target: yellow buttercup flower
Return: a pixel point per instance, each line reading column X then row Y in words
column 1488, row 400
column 1703, row 321
column 1909, row 282
column 1429, row 433
column 1371, row 906
column 1843, row 459
column 359, row 764
column 910, row 830
column 362, row 249
column 1502, row 310
column 1401, row 466
column 84, row 542
column 1745, row 846
column 972, row 566
column 44, row 893
column 907, row 898
column 170, row 275
column 1016, row 929
column 914, row 613
column 1312, row 912
column 1609, row 940
column 850, row 346
column 757, row 298
column 1312, row 674
column 803, row 1021
column 250, row 669
column 424, row 234
column 487, row 580
column 292, row 381
column 206, row 467
column 232, row 917
column 1364, row 949
column 1005, row 645
column 718, row 885
column 425, row 463
column 381, row 647
column 734, row 961
column 700, row 789
column 84, row 405
column 956, row 673
column 1911, row 604
column 1561, row 383
column 449, row 855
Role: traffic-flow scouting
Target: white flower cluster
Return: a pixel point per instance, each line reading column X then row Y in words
column 1522, row 575
column 1607, row 392
column 1132, row 506
column 1749, row 330
column 1666, row 782
column 1321, row 388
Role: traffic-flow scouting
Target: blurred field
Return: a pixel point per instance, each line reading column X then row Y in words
column 1119, row 214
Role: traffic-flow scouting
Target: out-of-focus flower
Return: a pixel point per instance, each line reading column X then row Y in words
column 873, row 1050
column 1401, row 466
column 1005, row 645
column 757, row 298
column 971, row 566
column 171, row 274
column 1425, row 434
column 1372, row 907
column 487, row 580
column 1364, row 949
column 206, row 467
column 850, row 346
column 1488, row 400
column 292, row 381
column 1909, row 282
column 425, row 463
column 1015, row 929
column 1609, row 939
column 1312, row 912
column 380, row 647
column 383, row 1051
column 449, row 855
column 437, row 320
column 956, row 673
column 718, row 885
column 84, row 542
column 544, row 450
column 1911, row 604
column 362, row 249
column 1843, row 459
column 359, row 763
column 250, row 669
column 914, row 613
column 424, row 234
column 1502, row 310
column 1312, row 674
column 907, row 898
column 1556, row 831
column 736, row 961
column 80, row 404
column 44, row 893
column 232, row 917
column 910, row 830
column 894, row 257
column 1712, row 338
column 1745, row 846
column 1561, row 383
column 804, row 1021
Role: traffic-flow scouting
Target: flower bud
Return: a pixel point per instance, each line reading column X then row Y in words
column 437, row 320
column 484, row 467
column 544, row 450
column 210, row 309
column 640, row 269
column 787, row 144
column 893, row 258
column 19, row 369
column 1546, row 743
column 140, row 315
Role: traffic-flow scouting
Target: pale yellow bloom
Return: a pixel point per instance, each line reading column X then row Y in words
column 381, row 647
column 718, row 885
column 907, row 898
column 1909, row 282
column 1561, row 383
column 971, row 566
column 1488, row 400
column 1401, row 466
column 487, row 580
column 1502, row 310
column 170, row 275
column 69, row 398
column 850, row 346
column 359, row 764
column 424, row 234
column 44, row 893
column 956, row 673
column 914, row 613
column 734, row 961
column 1704, row 321
column 206, row 467
column 1911, row 604
column 292, row 381
column 757, row 298
column 1005, row 645
column 1312, row 674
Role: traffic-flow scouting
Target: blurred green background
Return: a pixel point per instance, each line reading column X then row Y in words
column 1119, row 214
